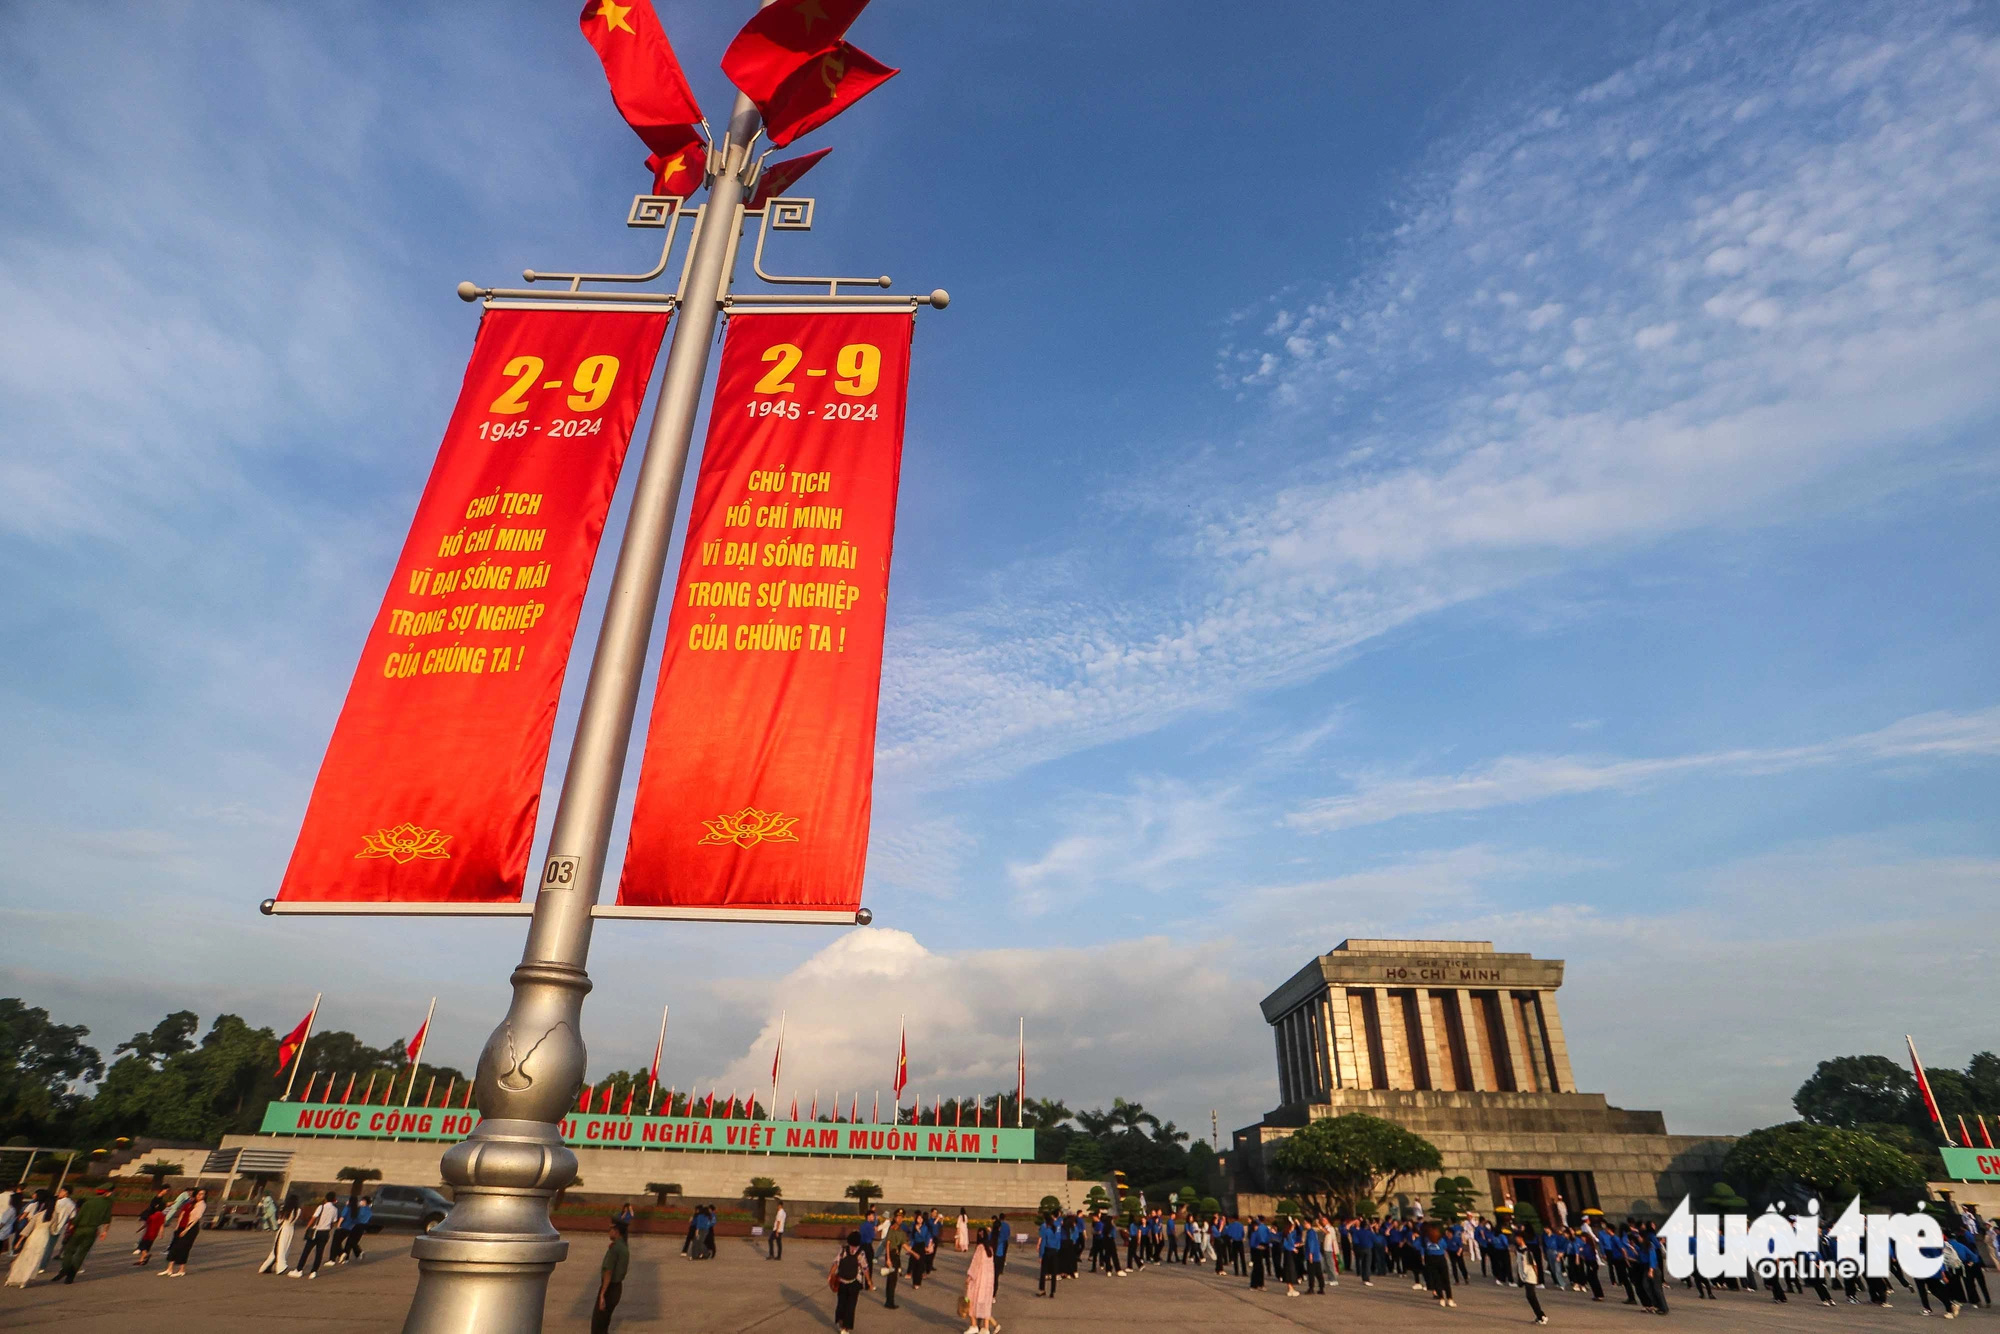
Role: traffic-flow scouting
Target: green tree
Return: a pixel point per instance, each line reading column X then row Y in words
column 1049, row 1205
column 1096, row 1200
column 1086, row 1159
column 1203, row 1169
column 1834, row 1164
column 1339, row 1161
column 1723, row 1199
column 40, row 1062
column 1853, row 1091
column 1451, row 1198
column 864, row 1193
column 170, row 1037
column 1527, row 1215
column 659, row 1190
column 1982, row 1080
column 763, row 1190
column 159, row 1170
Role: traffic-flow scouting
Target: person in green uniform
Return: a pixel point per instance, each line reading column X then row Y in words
column 93, row 1220
column 611, row 1279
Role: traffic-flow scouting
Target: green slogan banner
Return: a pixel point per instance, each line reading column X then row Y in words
column 692, row 1133
column 1972, row 1164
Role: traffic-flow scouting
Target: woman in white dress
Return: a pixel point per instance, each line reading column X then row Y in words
column 961, row 1238
column 288, row 1219
column 37, row 1239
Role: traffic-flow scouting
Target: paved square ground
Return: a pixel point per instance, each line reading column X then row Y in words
column 741, row 1291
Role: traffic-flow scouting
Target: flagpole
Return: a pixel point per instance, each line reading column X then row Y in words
column 416, row 1057
column 485, row 1269
column 653, row 1075
column 1021, row 1078
column 299, row 1056
column 776, row 1061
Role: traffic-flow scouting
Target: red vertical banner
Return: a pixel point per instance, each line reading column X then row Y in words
column 430, row 785
column 760, row 755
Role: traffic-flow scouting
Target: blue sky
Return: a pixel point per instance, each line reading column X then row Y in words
column 1519, row 474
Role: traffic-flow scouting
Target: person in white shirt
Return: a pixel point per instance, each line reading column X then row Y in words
column 59, row 1228
column 319, row 1229
column 774, row 1245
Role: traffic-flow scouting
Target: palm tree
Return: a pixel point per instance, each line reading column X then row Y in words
column 1131, row 1115
column 1168, row 1133
column 762, row 1190
column 1096, row 1122
column 864, row 1193
column 1046, row 1113
column 659, row 1190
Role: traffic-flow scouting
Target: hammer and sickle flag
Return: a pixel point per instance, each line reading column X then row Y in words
column 646, row 81
column 791, row 59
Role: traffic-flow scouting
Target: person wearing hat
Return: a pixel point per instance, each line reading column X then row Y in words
column 92, row 1221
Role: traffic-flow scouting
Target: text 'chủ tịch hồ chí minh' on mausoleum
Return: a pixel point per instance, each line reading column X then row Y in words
column 1464, row 1046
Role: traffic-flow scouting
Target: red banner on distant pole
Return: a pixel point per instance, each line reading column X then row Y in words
column 760, row 755
column 430, row 786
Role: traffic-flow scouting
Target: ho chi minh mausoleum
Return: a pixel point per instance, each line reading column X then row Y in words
column 1463, row 1046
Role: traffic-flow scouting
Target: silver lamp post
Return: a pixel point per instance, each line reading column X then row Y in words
column 485, row 1270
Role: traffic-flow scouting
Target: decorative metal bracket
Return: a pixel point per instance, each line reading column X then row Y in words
column 796, row 215
column 648, row 211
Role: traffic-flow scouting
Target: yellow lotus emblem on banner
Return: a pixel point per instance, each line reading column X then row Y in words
column 749, row 827
column 405, row 843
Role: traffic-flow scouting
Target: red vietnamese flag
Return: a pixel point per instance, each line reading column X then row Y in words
column 755, row 789
column 646, row 81
column 782, row 176
column 827, row 85
column 583, row 1100
column 414, row 1048
column 604, row 1102
column 1924, row 1087
column 1984, row 1138
column 349, row 1090
column 1964, row 1135
column 708, row 1106
column 902, row 1062
column 630, row 1089
column 468, row 1094
column 795, row 1107
column 433, row 777
column 679, row 168
column 288, row 1045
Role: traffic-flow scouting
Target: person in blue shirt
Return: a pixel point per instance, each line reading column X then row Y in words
column 1133, row 1259
column 1002, row 1233
column 870, row 1227
column 1431, row 1248
column 1316, row 1257
column 1291, row 1256
column 1048, row 1244
column 1260, row 1251
column 1645, row 1263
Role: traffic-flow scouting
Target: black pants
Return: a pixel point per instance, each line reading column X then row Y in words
column 1975, row 1285
column 1437, row 1276
column 917, row 1267
column 600, row 1315
column 1458, row 1267
column 315, row 1247
column 1534, row 1302
column 1257, row 1266
column 889, row 1277
column 843, row 1305
column 1315, row 1276
column 1236, row 1257
column 774, row 1246
column 1649, row 1283
column 1049, row 1277
column 1590, row 1277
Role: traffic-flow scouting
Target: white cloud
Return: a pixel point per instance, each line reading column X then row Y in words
column 1145, row 1019
column 1517, row 779
column 1143, row 839
column 1794, row 305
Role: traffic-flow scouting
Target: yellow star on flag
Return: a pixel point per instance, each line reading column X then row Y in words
column 614, row 17
column 808, row 10
column 674, row 167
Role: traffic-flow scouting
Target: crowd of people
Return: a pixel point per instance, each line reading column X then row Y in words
column 1594, row 1259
